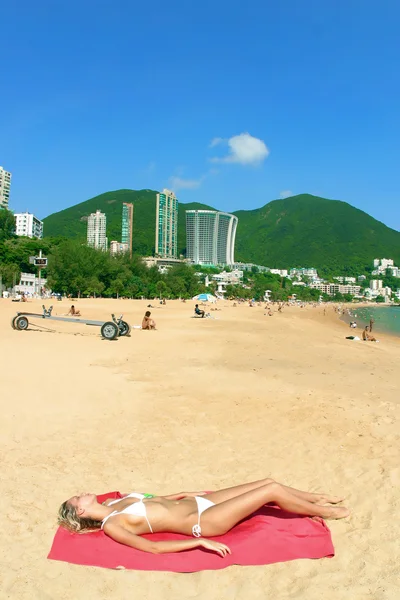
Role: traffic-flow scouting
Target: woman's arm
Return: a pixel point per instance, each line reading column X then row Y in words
column 123, row 536
column 184, row 495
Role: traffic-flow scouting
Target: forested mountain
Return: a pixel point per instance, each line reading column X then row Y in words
column 302, row 230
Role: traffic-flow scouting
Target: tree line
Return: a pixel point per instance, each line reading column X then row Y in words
column 77, row 270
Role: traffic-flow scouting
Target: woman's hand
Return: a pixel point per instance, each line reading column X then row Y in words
column 217, row 547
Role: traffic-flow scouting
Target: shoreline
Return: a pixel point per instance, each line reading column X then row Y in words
column 346, row 318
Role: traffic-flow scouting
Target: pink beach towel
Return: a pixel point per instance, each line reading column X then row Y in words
column 270, row 535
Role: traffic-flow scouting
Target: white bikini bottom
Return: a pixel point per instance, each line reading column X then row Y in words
column 202, row 505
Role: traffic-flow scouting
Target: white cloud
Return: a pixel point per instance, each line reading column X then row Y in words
column 216, row 141
column 150, row 168
column 178, row 183
column 285, row 194
column 244, row 149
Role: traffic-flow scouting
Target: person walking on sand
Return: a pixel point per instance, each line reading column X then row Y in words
column 147, row 322
column 193, row 514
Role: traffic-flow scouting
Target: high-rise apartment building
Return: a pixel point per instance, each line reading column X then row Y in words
column 5, row 184
column 96, row 231
column 28, row 225
column 127, row 225
column 166, row 225
column 210, row 237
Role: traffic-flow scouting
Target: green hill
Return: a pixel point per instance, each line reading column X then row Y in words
column 302, row 230
column 72, row 222
column 307, row 230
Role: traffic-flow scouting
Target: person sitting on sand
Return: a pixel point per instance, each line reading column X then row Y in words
column 199, row 312
column 189, row 513
column 74, row 312
column 366, row 337
column 147, row 322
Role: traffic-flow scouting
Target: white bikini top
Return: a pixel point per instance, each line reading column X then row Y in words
column 137, row 508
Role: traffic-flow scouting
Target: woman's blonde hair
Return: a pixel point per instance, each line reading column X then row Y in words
column 69, row 519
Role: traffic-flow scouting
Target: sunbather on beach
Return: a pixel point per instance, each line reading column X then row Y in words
column 147, row 322
column 199, row 312
column 74, row 312
column 189, row 513
column 366, row 336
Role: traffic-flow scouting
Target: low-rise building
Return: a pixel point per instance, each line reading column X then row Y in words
column 225, row 278
column 118, row 247
column 381, row 265
column 309, row 272
column 345, row 279
column 376, row 289
column 281, row 272
column 26, row 224
column 336, row 288
column 30, row 284
column 250, row 266
column 394, row 271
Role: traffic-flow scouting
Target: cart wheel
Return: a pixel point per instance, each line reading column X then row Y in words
column 124, row 328
column 109, row 330
column 13, row 321
column 21, row 323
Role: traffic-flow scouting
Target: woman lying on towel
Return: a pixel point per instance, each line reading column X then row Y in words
column 188, row 513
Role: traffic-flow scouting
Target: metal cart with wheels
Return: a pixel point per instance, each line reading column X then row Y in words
column 109, row 330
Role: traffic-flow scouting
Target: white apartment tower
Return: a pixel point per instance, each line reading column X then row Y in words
column 96, row 231
column 28, row 225
column 210, row 237
column 5, row 184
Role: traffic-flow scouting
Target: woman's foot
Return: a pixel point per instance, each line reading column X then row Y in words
column 336, row 512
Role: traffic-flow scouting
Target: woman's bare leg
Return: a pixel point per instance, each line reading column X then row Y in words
column 238, row 490
column 220, row 518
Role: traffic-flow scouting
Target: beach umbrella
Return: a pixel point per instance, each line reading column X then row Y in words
column 205, row 298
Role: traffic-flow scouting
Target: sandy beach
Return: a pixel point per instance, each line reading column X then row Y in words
column 199, row 404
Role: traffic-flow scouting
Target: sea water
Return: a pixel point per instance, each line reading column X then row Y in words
column 387, row 318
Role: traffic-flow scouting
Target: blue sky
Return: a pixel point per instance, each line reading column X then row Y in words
column 230, row 103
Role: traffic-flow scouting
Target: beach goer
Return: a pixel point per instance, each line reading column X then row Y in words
column 147, row 322
column 74, row 312
column 199, row 312
column 371, row 322
column 189, row 513
column 366, row 337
